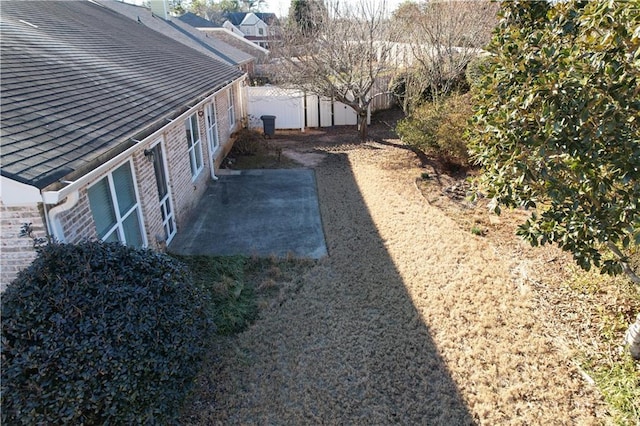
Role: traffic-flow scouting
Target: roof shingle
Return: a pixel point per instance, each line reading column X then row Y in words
column 78, row 80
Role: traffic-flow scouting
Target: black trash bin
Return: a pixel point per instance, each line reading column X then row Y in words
column 268, row 125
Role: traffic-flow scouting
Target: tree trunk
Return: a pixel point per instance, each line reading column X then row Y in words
column 362, row 125
column 632, row 338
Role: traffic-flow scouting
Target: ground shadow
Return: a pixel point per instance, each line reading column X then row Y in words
column 348, row 348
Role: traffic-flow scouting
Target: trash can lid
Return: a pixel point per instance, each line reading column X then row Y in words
column 267, row 117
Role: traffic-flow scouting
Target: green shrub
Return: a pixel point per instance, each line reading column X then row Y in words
column 437, row 128
column 476, row 68
column 99, row 333
column 234, row 300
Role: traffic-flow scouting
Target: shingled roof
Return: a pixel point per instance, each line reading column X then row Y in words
column 79, row 81
column 182, row 32
column 197, row 21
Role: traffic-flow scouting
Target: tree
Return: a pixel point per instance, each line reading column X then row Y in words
column 215, row 10
column 343, row 59
column 557, row 127
column 307, row 15
column 205, row 8
column 251, row 5
column 442, row 38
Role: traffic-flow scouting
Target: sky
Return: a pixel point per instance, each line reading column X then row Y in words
column 281, row 7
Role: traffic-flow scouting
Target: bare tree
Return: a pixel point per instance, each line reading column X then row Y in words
column 443, row 37
column 215, row 10
column 342, row 58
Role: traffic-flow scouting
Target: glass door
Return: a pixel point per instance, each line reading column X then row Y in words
column 212, row 136
column 166, row 207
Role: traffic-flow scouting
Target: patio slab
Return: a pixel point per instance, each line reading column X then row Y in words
column 263, row 212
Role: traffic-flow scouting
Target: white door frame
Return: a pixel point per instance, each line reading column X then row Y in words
column 165, row 201
column 214, row 148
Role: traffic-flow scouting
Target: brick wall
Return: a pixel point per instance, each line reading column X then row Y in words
column 17, row 252
column 148, row 197
column 77, row 222
column 260, row 55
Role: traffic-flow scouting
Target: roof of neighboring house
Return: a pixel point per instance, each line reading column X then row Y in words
column 236, row 18
column 79, row 81
column 182, row 32
column 197, row 21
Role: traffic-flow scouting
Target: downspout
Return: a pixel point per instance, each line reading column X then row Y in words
column 55, row 225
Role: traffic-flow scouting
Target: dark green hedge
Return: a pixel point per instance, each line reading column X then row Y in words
column 100, row 333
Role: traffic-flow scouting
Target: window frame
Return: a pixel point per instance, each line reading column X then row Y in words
column 231, row 109
column 194, row 146
column 212, row 130
column 118, row 227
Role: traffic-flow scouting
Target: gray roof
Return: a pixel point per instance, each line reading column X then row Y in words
column 79, row 81
column 197, row 21
column 182, row 32
column 236, row 18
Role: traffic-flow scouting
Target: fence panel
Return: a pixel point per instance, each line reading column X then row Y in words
column 313, row 111
column 287, row 105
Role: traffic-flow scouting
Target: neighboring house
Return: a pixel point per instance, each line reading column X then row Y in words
column 157, row 19
column 257, row 27
column 230, row 35
column 109, row 130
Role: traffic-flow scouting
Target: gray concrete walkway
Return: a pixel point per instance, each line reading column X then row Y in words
column 256, row 212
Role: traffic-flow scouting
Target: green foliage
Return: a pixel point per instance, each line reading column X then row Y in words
column 477, row 230
column 620, row 386
column 438, row 128
column 476, row 69
column 100, row 333
column 234, row 300
column 557, row 124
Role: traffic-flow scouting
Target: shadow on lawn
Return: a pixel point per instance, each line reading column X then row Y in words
column 348, row 348
column 403, row 375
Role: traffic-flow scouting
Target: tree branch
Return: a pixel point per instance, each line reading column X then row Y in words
column 625, row 266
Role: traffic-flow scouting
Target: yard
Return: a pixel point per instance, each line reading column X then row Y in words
column 426, row 311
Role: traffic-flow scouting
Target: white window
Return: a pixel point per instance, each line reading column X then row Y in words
column 115, row 208
column 232, row 109
column 212, row 128
column 261, row 31
column 195, row 145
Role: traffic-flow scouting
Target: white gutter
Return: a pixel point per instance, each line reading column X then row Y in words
column 55, row 197
column 55, row 226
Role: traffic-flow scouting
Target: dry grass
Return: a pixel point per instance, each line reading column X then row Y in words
column 587, row 312
column 412, row 318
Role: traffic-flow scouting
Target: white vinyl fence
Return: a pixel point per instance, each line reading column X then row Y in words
column 287, row 105
column 295, row 110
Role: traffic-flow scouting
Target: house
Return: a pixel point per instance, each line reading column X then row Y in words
column 227, row 34
column 109, row 129
column 159, row 20
column 257, row 27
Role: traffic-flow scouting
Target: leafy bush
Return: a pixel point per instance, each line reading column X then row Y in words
column 100, row 333
column 476, row 69
column 438, row 128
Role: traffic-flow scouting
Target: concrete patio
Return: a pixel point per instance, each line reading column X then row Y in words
column 256, row 212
